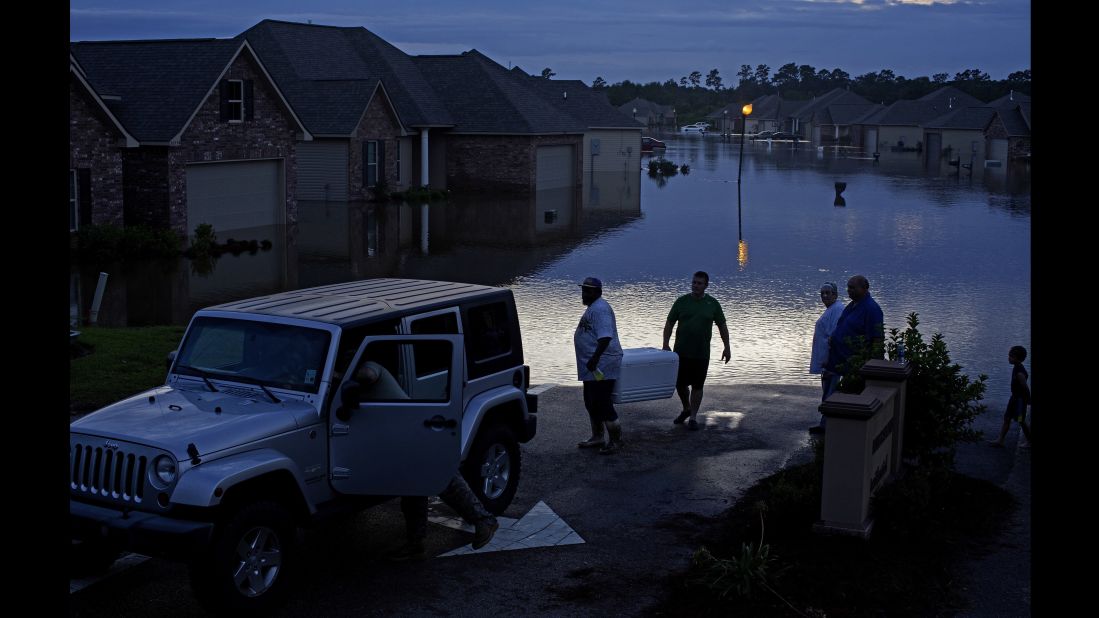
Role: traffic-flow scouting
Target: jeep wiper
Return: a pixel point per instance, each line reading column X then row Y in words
column 202, row 374
column 269, row 393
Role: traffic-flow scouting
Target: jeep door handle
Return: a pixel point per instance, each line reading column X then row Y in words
column 438, row 422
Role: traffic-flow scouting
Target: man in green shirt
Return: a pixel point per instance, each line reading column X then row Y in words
column 696, row 313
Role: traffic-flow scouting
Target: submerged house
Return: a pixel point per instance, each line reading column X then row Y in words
column 197, row 128
column 234, row 132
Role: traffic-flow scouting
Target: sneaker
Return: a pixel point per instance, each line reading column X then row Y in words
column 610, row 448
column 591, row 442
column 692, row 425
column 411, row 550
column 816, row 429
column 483, row 532
column 1024, row 443
column 682, row 417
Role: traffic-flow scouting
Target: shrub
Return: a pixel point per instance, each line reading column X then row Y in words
column 941, row 401
column 110, row 243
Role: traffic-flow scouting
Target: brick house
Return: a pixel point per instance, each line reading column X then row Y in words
column 96, row 142
column 214, row 136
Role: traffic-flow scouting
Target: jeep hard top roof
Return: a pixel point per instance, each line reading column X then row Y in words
column 361, row 301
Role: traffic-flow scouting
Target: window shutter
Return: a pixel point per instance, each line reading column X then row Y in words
column 248, row 107
column 381, row 161
column 223, row 89
column 84, row 196
column 366, row 173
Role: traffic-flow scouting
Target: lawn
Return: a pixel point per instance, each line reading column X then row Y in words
column 108, row 364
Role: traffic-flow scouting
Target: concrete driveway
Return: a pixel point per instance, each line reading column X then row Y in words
column 638, row 512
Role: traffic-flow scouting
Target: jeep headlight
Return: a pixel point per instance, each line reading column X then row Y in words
column 164, row 470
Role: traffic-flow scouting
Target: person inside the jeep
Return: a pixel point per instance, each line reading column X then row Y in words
column 376, row 382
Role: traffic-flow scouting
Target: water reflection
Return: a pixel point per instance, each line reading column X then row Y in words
column 954, row 249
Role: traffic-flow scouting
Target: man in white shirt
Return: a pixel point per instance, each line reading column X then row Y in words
column 598, row 362
column 826, row 323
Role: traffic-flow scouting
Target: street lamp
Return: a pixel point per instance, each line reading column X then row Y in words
column 744, row 113
column 725, row 122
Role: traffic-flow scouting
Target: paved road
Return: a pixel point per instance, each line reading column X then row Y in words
column 638, row 512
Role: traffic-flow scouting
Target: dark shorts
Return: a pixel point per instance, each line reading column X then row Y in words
column 1016, row 410
column 599, row 401
column 692, row 372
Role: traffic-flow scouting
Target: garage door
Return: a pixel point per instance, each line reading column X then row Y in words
column 234, row 195
column 997, row 150
column 555, row 167
column 322, row 171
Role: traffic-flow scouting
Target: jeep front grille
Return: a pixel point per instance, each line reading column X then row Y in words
column 107, row 473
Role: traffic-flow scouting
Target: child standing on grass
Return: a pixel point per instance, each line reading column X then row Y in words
column 1020, row 398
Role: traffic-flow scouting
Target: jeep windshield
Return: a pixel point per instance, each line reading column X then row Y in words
column 267, row 354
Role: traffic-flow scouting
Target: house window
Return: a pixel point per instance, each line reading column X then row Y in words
column 235, row 100
column 73, row 218
column 398, row 161
column 371, row 163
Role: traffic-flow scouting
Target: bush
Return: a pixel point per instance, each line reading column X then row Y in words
column 109, row 243
column 941, row 401
column 418, row 194
column 662, row 166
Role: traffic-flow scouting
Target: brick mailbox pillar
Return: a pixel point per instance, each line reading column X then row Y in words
column 862, row 447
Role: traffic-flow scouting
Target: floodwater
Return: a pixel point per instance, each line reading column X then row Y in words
column 954, row 249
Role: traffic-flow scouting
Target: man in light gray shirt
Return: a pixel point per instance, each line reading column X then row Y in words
column 598, row 362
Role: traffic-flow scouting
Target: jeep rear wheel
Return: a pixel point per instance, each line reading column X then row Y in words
column 493, row 467
column 250, row 565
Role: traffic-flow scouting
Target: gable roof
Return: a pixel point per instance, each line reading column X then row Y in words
column 330, row 74
column 1016, row 121
column 78, row 74
column 965, row 118
column 484, row 97
column 160, row 85
column 949, row 97
column 836, row 96
column 1011, row 98
column 575, row 98
column 644, row 107
column 907, row 113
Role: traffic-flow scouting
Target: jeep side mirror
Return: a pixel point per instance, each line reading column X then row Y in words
column 349, row 399
column 171, row 359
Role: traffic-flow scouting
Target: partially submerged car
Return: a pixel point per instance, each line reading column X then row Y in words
column 648, row 144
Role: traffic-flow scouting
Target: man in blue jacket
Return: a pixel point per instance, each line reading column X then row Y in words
column 862, row 317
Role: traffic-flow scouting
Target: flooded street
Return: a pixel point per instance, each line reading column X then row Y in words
column 953, row 249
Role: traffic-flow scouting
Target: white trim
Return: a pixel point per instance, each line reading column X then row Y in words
column 370, row 100
column 75, row 69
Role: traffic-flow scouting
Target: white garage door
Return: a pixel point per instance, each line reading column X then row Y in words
column 235, row 195
column 555, row 167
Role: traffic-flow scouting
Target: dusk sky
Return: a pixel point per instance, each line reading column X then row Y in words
column 638, row 40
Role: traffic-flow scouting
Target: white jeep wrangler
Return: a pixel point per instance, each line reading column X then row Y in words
column 259, row 428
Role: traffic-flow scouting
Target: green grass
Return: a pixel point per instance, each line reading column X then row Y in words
column 925, row 523
column 108, row 364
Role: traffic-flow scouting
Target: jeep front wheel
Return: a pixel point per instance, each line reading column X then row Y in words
column 249, row 566
column 493, row 466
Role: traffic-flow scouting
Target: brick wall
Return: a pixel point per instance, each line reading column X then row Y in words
column 500, row 163
column 378, row 123
column 96, row 144
column 269, row 135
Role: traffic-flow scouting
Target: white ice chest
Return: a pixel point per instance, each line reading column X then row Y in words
column 647, row 373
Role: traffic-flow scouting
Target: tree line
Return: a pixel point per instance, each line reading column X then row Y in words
column 694, row 96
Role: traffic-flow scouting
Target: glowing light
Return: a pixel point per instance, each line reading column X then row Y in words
column 742, row 253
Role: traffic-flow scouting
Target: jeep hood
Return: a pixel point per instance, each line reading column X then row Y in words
column 170, row 419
